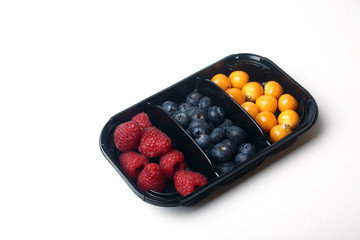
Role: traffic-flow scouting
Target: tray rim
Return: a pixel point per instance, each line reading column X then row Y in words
column 256, row 160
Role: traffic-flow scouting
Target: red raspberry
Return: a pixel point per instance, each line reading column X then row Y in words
column 151, row 178
column 127, row 136
column 143, row 120
column 154, row 143
column 132, row 164
column 186, row 181
column 172, row 162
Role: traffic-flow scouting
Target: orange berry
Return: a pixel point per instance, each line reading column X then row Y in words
column 236, row 94
column 278, row 132
column 222, row 81
column 252, row 91
column 273, row 88
column 251, row 108
column 267, row 103
column 238, row 79
column 289, row 118
column 266, row 120
column 286, row 102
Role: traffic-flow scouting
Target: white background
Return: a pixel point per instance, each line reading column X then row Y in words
column 67, row 66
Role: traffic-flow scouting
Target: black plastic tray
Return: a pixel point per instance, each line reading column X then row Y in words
column 260, row 69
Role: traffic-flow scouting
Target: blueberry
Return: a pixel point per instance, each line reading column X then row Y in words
column 225, row 167
column 197, row 127
column 226, row 124
column 216, row 114
column 191, row 109
column 198, row 131
column 247, row 148
column 198, row 114
column 181, row 118
column 217, row 135
column 205, row 103
column 221, row 153
column 231, row 144
column 184, row 106
column 193, row 98
column 203, row 141
column 240, row 158
column 169, row 106
column 237, row 134
column 212, row 125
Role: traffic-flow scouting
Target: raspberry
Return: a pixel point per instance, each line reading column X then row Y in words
column 143, row 120
column 186, row 181
column 154, row 143
column 127, row 136
column 172, row 162
column 132, row 164
column 151, row 178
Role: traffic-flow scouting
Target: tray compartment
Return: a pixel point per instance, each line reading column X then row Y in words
column 262, row 70
column 195, row 158
column 232, row 111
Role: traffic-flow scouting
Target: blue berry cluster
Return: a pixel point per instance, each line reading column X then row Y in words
column 222, row 141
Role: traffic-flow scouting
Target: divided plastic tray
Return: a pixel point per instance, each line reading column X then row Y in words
column 260, row 69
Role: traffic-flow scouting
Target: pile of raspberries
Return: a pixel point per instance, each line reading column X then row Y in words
column 138, row 140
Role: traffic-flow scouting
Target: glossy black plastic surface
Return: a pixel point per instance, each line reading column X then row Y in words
column 260, row 69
